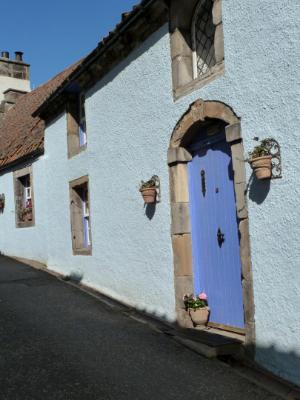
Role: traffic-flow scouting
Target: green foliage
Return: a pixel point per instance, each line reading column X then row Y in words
column 148, row 184
column 263, row 149
column 191, row 301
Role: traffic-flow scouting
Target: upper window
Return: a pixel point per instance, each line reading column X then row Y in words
column 197, row 47
column 203, row 36
column 82, row 122
column 24, row 198
column 76, row 124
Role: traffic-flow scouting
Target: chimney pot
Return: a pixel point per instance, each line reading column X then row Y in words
column 5, row 54
column 19, row 55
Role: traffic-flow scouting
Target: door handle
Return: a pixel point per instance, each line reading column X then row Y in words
column 203, row 183
column 220, row 237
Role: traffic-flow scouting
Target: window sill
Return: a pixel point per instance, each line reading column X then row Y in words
column 198, row 83
column 26, row 224
column 78, row 151
column 82, row 252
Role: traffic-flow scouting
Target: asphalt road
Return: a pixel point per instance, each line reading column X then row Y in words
column 59, row 343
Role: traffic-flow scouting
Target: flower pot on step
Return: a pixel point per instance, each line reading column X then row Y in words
column 149, row 195
column 199, row 316
column 262, row 167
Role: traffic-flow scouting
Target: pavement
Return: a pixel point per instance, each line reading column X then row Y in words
column 58, row 342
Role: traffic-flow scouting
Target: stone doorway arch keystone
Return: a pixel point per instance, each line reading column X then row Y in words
column 200, row 112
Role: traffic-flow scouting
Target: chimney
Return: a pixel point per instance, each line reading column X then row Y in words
column 14, row 80
column 19, row 55
column 5, row 54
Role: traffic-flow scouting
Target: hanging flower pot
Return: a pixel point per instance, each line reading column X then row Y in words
column 149, row 190
column 261, row 160
column 197, row 308
column 149, row 195
column 262, row 167
column 2, row 202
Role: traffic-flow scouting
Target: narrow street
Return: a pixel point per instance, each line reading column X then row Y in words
column 60, row 343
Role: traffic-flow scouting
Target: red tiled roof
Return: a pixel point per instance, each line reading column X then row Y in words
column 20, row 133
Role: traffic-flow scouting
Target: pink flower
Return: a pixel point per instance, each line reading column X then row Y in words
column 202, row 296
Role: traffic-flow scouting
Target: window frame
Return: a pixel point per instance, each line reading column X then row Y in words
column 182, row 35
column 76, row 124
column 194, row 42
column 20, row 195
column 81, row 235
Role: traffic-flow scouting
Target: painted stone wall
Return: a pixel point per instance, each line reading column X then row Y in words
column 7, row 82
column 130, row 117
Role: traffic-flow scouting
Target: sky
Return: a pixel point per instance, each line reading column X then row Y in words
column 55, row 33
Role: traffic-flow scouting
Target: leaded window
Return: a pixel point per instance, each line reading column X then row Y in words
column 203, row 34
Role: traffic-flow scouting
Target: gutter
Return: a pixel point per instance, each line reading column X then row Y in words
column 96, row 53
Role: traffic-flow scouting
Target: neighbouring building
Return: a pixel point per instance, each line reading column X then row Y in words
column 181, row 92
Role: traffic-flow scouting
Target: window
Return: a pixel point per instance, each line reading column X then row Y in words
column 76, row 124
column 80, row 216
column 203, row 35
column 24, row 206
column 197, row 44
column 82, row 123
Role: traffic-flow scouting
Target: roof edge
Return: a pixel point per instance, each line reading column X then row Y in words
column 128, row 20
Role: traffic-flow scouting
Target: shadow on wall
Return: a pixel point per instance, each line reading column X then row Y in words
column 283, row 364
column 150, row 210
column 258, row 189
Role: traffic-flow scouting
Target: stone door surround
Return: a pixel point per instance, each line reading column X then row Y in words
column 178, row 157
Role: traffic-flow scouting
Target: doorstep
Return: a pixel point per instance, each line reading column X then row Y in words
column 210, row 342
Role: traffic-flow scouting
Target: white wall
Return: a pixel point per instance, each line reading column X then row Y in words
column 6, row 82
column 130, row 118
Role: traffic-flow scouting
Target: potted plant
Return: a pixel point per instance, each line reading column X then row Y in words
column 261, row 160
column 25, row 214
column 148, row 190
column 2, row 202
column 197, row 308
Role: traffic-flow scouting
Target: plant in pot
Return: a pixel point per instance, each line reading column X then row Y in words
column 148, row 190
column 2, row 202
column 260, row 160
column 25, row 214
column 197, row 308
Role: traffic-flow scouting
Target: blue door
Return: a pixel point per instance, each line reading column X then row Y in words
column 215, row 239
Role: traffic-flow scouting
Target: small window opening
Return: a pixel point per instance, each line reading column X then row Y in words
column 82, row 121
column 80, row 218
column 24, row 200
column 203, row 34
column 76, row 124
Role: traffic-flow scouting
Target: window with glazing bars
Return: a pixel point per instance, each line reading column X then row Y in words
column 203, row 34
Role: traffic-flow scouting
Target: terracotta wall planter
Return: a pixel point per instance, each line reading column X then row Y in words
column 149, row 195
column 262, row 167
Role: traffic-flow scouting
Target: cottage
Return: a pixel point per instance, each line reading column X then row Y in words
column 178, row 92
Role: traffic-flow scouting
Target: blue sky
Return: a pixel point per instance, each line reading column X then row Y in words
column 55, row 33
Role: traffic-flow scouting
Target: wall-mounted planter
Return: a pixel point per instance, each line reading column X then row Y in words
column 2, row 203
column 149, row 195
column 265, row 159
column 150, row 190
column 262, row 167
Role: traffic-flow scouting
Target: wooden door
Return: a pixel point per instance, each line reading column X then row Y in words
column 215, row 239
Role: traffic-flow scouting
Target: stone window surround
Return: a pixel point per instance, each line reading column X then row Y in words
column 178, row 158
column 182, row 47
column 72, row 185
column 73, row 116
column 17, row 175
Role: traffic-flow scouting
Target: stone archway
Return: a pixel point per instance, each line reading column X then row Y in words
column 178, row 158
